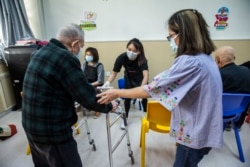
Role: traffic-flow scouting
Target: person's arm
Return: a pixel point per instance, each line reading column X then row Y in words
column 100, row 76
column 117, row 67
column 112, row 77
column 83, row 66
column 145, row 74
column 78, row 87
column 111, row 94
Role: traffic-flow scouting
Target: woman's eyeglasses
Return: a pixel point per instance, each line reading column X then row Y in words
column 171, row 36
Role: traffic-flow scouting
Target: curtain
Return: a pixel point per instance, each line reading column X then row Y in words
column 13, row 22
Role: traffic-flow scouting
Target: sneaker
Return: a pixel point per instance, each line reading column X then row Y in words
column 122, row 126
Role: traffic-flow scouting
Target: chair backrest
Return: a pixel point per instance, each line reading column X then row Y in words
column 234, row 103
column 158, row 114
column 121, row 83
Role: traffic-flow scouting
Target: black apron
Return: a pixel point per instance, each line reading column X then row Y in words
column 133, row 75
column 91, row 73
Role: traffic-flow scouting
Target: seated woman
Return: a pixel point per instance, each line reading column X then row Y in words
column 93, row 70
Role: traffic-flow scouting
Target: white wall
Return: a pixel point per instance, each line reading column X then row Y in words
column 119, row 20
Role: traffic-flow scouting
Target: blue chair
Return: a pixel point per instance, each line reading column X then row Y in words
column 121, row 85
column 233, row 106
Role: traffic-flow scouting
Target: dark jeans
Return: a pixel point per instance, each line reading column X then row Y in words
column 61, row 155
column 189, row 157
column 127, row 104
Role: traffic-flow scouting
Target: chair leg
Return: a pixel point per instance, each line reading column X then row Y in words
column 28, row 151
column 141, row 132
column 143, row 140
column 240, row 150
column 134, row 100
column 139, row 101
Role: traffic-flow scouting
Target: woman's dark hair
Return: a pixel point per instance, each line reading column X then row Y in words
column 246, row 64
column 94, row 53
column 139, row 47
column 194, row 36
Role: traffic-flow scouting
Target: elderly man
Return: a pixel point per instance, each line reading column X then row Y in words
column 53, row 82
column 235, row 79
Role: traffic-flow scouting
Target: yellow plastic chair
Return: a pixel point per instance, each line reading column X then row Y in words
column 156, row 119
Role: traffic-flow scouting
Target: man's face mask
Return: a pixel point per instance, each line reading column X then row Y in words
column 78, row 55
column 131, row 55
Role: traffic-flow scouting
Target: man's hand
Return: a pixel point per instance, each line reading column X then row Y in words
column 115, row 106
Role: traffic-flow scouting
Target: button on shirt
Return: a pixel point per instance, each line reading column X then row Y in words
column 192, row 90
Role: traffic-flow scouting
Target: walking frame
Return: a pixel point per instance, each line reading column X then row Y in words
column 112, row 147
column 81, row 123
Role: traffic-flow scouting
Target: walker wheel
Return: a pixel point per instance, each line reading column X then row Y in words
column 28, row 151
column 132, row 157
column 132, row 160
column 94, row 147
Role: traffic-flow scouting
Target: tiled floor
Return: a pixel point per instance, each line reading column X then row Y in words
column 160, row 150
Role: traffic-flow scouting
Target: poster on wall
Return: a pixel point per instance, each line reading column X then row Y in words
column 88, row 23
column 221, row 18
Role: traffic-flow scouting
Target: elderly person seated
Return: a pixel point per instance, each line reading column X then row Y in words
column 235, row 79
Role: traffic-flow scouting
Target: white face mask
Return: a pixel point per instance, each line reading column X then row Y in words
column 89, row 58
column 78, row 55
column 173, row 44
column 131, row 55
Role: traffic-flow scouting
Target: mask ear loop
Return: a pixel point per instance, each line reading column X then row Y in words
column 73, row 43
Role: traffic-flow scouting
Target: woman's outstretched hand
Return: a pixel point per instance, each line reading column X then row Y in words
column 107, row 96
